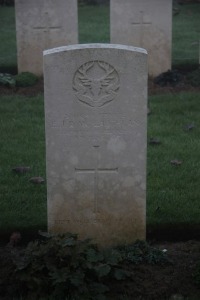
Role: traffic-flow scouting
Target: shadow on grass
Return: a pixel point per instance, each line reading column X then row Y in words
column 180, row 232
column 27, row 234
column 8, row 69
column 173, row 232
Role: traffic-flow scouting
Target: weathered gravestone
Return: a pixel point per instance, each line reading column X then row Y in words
column 95, row 111
column 146, row 24
column 40, row 25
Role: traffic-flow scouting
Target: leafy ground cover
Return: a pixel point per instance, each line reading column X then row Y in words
column 66, row 268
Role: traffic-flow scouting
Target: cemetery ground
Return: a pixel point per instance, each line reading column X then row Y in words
column 173, row 216
column 173, row 172
column 172, row 188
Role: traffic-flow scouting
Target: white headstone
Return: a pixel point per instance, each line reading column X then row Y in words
column 40, row 25
column 95, row 111
column 146, row 24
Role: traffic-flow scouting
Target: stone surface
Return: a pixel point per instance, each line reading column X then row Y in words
column 43, row 25
column 95, row 112
column 146, row 24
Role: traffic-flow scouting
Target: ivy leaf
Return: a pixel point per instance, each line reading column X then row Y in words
column 59, row 276
column 77, row 279
column 103, row 270
column 21, row 262
column 100, row 297
column 93, row 256
column 45, row 234
column 98, row 288
column 120, row 274
column 7, row 79
column 113, row 257
column 69, row 242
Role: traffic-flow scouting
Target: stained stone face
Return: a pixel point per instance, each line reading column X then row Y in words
column 146, row 24
column 40, row 25
column 95, row 112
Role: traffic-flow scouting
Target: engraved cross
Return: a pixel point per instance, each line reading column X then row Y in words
column 47, row 28
column 141, row 23
column 96, row 170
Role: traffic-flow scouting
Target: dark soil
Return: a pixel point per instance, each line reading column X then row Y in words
column 184, row 86
column 174, row 280
column 29, row 91
column 170, row 281
column 153, row 88
column 165, row 281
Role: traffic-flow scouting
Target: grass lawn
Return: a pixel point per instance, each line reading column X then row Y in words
column 8, row 48
column 186, row 36
column 172, row 191
column 23, row 204
column 94, row 24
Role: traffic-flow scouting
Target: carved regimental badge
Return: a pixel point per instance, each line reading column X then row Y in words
column 96, row 83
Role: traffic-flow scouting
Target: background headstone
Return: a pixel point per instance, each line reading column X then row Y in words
column 146, row 24
column 41, row 25
column 95, row 111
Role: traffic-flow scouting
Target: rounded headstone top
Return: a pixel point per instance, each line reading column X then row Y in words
column 94, row 46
